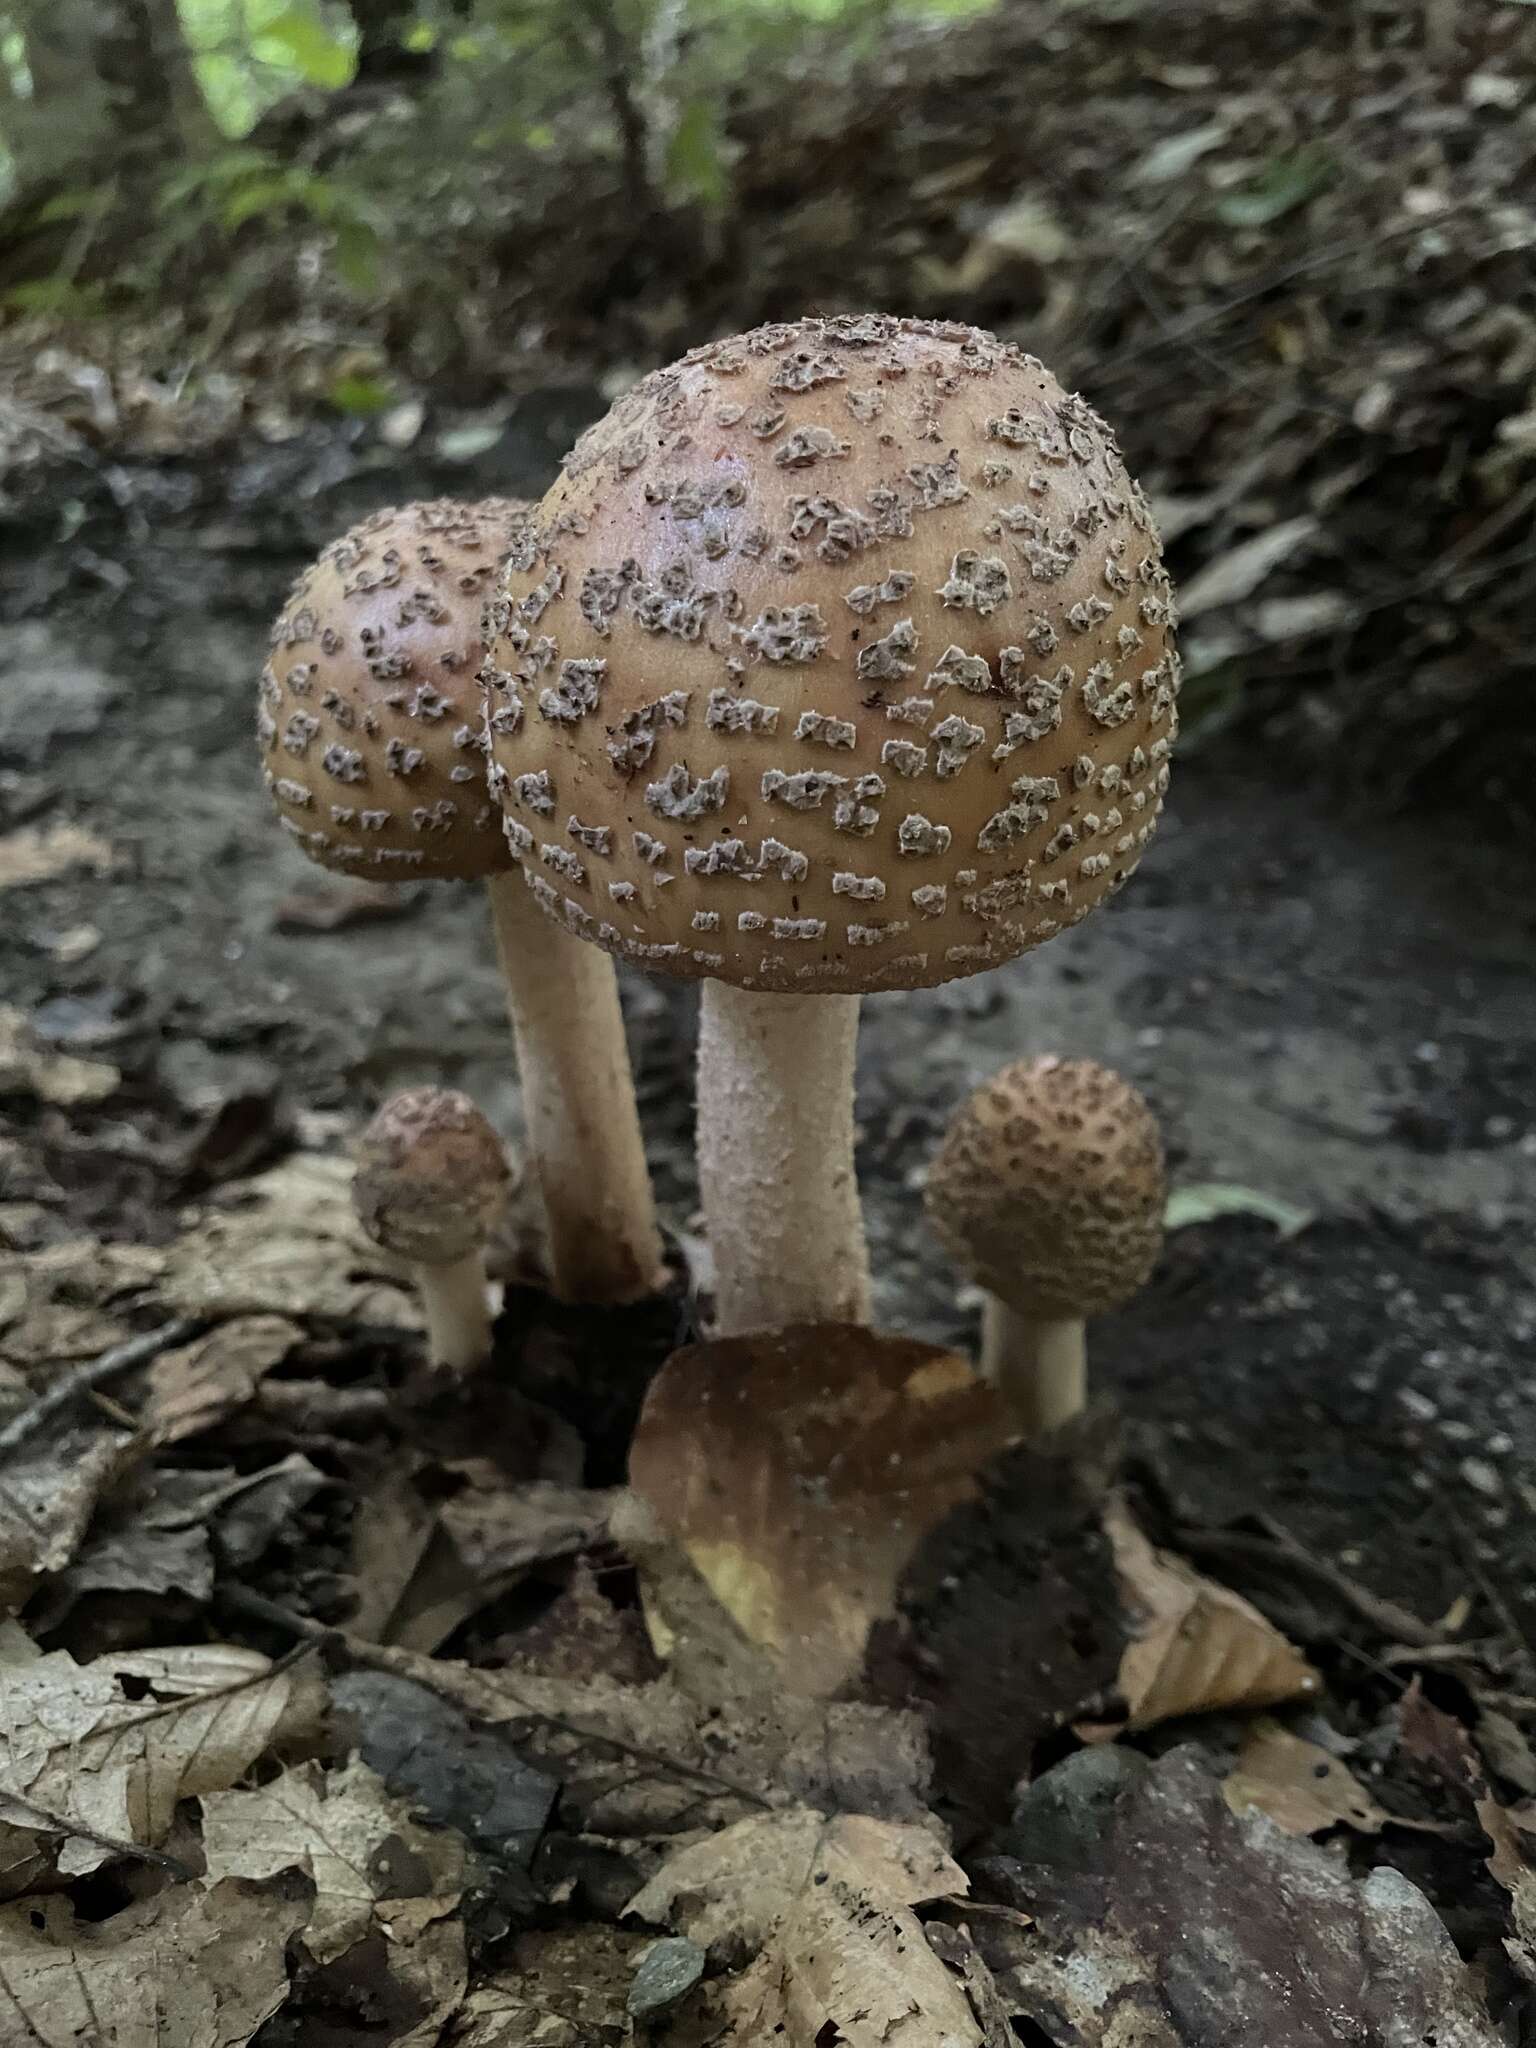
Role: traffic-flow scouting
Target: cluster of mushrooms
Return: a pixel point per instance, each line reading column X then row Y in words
column 839, row 659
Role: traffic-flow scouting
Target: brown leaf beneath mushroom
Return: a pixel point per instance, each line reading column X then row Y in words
column 1301, row 1787
column 799, row 1469
column 1197, row 1647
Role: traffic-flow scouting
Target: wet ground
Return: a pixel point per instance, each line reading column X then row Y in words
column 1335, row 1012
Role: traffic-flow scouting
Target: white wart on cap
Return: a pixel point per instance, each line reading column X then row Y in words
column 843, row 662
column 369, row 715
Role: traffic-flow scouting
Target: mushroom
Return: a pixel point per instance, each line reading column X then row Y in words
column 371, row 724
column 839, row 660
column 431, row 1178
column 1049, row 1190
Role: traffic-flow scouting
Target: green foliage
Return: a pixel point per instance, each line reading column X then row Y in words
column 1285, row 183
column 241, row 185
column 361, row 397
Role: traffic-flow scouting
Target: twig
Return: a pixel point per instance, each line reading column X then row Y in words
column 66, row 1824
column 1277, row 1543
column 477, row 1693
column 121, row 1358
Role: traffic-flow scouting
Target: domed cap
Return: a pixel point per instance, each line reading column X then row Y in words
column 431, row 1176
column 845, row 663
column 1049, row 1188
column 369, row 717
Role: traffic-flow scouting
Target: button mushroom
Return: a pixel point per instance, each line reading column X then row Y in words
column 371, row 723
column 431, row 1177
column 1049, row 1191
column 842, row 662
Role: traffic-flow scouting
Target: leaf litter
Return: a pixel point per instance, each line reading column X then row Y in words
column 795, row 1850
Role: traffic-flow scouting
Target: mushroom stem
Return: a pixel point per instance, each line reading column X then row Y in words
column 588, row 1156
column 458, row 1314
column 1039, row 1365
column 776, row 1172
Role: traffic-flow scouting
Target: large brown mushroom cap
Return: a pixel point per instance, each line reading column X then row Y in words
column 845, row 663
column 370, row 717
column 431, row 1176
column 1049, row 1188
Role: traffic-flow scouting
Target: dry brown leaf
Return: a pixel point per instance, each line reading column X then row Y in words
column 287, row 1243
column 1197, row 1647
column 70, row 1301
column 40, row 853
column 1298, row 1784
column 196, row 1386
column 334, row 910
column 48, row 1494
column 371, row 1865
column 191, row 1967
column 729, row 1892
column 565, row 1987
column 797, row 1471
column 75, row 1747
column 28, row 1068
column 843, row 1956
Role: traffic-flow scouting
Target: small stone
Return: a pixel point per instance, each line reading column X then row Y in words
column 668, row 1971
column 1418, row 1405
column 1481, row 1476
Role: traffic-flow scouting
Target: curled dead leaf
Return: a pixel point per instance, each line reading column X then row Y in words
column 1197, row 1647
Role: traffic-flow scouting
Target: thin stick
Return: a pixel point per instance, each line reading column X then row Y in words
column 66, row 1824
column 486, row 1698
column 121, row 1358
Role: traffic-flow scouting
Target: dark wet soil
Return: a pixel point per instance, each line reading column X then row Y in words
column 1333, row 1011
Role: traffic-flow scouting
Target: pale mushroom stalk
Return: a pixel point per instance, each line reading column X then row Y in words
column 457, row 1307
column 1038, row 1364
column 578, row 1103
column 776, row 1173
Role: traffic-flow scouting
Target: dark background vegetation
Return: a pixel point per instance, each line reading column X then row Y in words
column 1286, row 245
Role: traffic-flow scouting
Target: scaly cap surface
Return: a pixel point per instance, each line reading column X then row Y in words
column 843, row 662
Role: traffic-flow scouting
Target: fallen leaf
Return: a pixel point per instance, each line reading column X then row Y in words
column 1196, row 1646
column 797, row 1471
column 27, row 1068
column 334, row 910
column 1231, row 577
column 71, row 1301
column 75, row 943
column 371, row 1865
column 198, row 1385
column 287, row 1243
column 730, row 1891
column 1301, row 1787
column 41, row 853
column 1185, row 1926
column 565, row 1987
column 842, row 1957
column 190, row 1967
column 76, row 1746
column 499, row 1526
column 1208, row 1200
column 48, row 1493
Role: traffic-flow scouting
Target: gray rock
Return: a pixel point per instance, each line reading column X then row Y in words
column 668, row 1971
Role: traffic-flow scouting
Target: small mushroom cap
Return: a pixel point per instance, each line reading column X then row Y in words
column 1049, row 1188
column 369, row 717
column 431, row 1176
column 844, row 662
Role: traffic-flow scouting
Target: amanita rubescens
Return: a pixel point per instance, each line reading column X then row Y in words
column 838, row 660
column 372, row 729
column 1049, row 1191
column 431, row 1177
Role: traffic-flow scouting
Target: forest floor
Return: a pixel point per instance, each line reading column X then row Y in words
column 1327, row 1012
